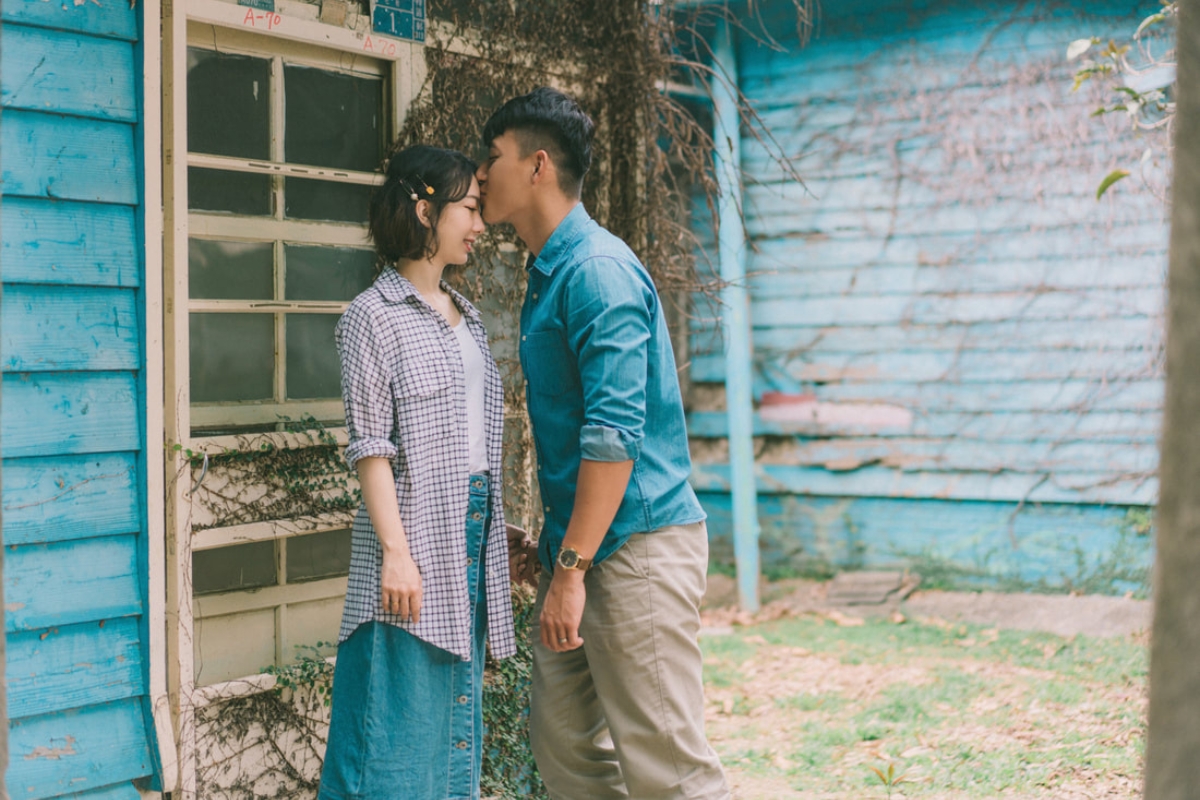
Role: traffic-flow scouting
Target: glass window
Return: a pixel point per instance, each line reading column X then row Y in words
column 257, row 355
column 318, row 555
column 229, row 104
column 332, row 119
column 327, row 273
column 313, row 369
column 232, row 357
column 219, row 270
column 227, row 569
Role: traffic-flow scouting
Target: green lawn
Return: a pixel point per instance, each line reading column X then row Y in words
column 803, row 707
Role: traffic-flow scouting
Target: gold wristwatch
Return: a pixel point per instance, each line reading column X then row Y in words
column 568, row 558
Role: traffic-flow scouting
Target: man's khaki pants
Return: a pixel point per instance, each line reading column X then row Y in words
column 623, row 716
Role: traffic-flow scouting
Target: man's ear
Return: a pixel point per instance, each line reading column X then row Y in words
column 423, row 210
column 541, row 165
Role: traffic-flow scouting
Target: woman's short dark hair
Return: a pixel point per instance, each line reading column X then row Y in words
column 547, row 119
column 416, row 173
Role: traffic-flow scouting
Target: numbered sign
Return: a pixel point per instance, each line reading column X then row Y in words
column 261, row 5
column 403, row 19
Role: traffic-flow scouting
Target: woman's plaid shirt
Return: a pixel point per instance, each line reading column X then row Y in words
column 405, row 394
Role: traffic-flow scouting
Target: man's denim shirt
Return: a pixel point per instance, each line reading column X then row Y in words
column 602, row 383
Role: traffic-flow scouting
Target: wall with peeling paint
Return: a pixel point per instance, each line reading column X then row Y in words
column 72, row 351
column 957, row 349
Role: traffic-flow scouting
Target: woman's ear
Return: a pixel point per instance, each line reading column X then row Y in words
column 423, row 213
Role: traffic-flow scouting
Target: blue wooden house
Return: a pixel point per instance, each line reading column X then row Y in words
column 956, row 349
column 81, row 262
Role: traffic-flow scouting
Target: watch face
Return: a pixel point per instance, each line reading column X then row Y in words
column 568, row 558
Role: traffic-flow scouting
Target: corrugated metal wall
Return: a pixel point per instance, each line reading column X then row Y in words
column 957, row 349
column 71, row 344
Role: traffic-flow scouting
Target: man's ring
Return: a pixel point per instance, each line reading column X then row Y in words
column 562, row 641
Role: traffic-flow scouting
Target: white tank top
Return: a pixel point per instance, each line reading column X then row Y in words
column 473, row 368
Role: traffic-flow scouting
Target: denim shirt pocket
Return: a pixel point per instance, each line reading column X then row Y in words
column 550, row 366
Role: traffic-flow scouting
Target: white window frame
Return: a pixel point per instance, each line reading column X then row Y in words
column 236, row 28
column 276, row 229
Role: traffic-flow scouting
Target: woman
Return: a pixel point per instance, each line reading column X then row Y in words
column 429, row 575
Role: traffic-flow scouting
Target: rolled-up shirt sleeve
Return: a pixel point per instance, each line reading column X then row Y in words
column 609, row 313
column 366, row 388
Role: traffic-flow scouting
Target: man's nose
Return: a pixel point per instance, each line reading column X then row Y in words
column 481, row 173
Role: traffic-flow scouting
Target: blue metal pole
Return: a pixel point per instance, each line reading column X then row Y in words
column 731, row 250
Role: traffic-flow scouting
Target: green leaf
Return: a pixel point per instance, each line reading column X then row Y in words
column 1109, row 180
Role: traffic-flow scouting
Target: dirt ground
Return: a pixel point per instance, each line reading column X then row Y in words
column 781, row 716
column 1064, row 615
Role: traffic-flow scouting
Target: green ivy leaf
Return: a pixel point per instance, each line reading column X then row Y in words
column 1109, row 180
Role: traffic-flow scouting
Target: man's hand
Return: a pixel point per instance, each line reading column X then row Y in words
column 401, row 583
column 523, row 564
column 562, row 611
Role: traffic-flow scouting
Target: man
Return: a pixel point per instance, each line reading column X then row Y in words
column 618, row 705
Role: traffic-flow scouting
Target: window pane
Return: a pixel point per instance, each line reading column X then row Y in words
column 234, row 192
column 233, row 357
column 327, row 273
column 313, row 369
column 226, row 569
column 318, row 555
column 231, row 270
column 336, row 202
column 332, row 120
column 229, row 104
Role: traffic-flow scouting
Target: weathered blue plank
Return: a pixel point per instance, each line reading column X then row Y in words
column 1111, row 427
column 1097, row 239
column 961, row 366
column 875, row 21
column 112, row 18
column 66, row 667
column 74, row 751
column 1067, row 394
column 55, row 242
column 46, row 414
column 68, row 328
column 65, row 583
column 778, row 217
column 117, row 791
column 1114, row 333
column 992, row 545
column 791, row 277
column 69, row 497
column 913, row 454
column 47, row 155
column 873, row 481
column 43, row 70
column 932, row 309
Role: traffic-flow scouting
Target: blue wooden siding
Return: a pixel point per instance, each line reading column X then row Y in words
column 954, row 342
column 72, row 338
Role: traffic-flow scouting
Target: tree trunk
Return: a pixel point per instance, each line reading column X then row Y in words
column 1173, row 745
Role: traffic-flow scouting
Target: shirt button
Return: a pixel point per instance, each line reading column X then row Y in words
column 547, row 509
column 523, row 338
column 461, row 745
column 462, row 699
column 470, row 561
column 478, row 484
column 477, row 516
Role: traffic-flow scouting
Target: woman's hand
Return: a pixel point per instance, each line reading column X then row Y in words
column 401, row 580
column 523, row 564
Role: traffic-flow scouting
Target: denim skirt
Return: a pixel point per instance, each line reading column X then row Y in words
column 407, row 717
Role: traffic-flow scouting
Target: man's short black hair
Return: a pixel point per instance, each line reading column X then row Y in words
column 547, row 119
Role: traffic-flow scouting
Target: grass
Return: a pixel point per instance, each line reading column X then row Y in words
column 804, row 708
